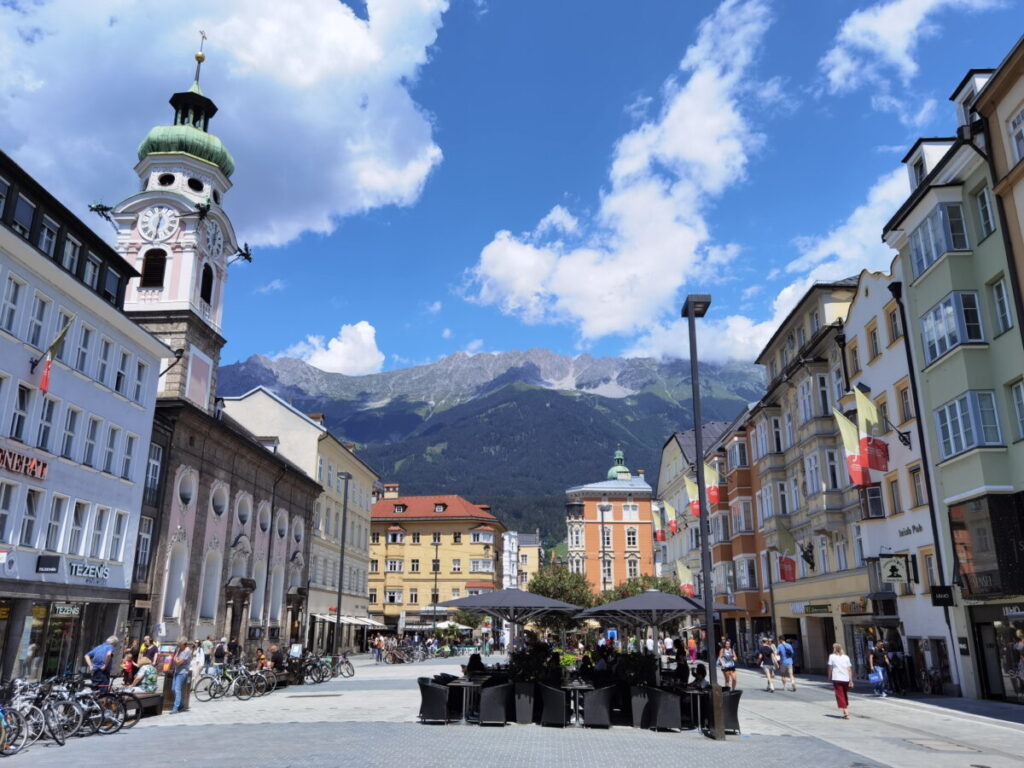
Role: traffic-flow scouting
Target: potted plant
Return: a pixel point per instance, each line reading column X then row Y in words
column 526, row 668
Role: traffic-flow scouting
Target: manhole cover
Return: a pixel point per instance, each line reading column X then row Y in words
column 941, row 746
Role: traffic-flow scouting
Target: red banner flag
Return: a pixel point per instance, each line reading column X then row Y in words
column 787, row 569
column 44, row 382
column 860, row 474
column 874, row 451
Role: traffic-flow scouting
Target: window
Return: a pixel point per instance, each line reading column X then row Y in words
column 967, row 422
column 606, row 536
column 804, row 398
column 606, row 571
column 9, row 310
column 794, row 497
column 737, row 454
column 481, row 566
column 104, row 366
column 1017, row 135
column 943, row 230
column 72, row 251
column 121, row 377
column 37, row 321
column 456, row 565
column 374, row 537
column 46, row 423
column 824, row 407
column 525, row 559
column 129, row 454
column 5, row 189
column 24, row 212
column 482, row 537
column 883, row 416
column 754, row 445
column 28, row 520
column 153, row 462
column 917, row 485
column 456, row 538
column 414, row 597
column 742, row 517
column 373, row 566
column 631, row 539
column 394, row 537
column 986, row 221
column 372, row 595
column 783, row 499
column 414, row 566
column 815, row 321
column 953, row 321
column 47, row 236
column 117, row 536
column 839, row 553
column 140, row 381
column 53, row 526
column 435, row 538
column 84, row 345
column 919, row 172
column 113, row 433
column 393, row 566
column 393, row 596
column 154, row 264
column 6, row 511
column 746, row 573
column 576, row 536
column 858, row 546
column 906, row 405
column 895, row 502
column 854, row 359
column 79, row 517
column 822, row 554
column 91, row 275
column 838, row 385
column 1017, row 395
column 415, row 538
column 1001, row 304
column 21, row 405
column 143, row 548
column 873, row 346
column 206, row 284
column 895, row 327
column 871, row 502
column 813, row 474
column 91, row 436
column 832, row 463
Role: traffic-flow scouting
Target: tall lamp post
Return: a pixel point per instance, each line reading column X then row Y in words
column 345, row 476
column 436, row 568
column 696, row 305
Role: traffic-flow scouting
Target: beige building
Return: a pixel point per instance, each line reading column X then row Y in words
column 304, row 440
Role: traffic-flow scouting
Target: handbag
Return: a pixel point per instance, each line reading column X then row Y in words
column 875, row 677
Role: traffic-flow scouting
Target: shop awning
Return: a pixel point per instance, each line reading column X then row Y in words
column 355, row 621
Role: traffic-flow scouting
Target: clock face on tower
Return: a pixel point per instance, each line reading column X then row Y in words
column 214, row 239
column 158, row 222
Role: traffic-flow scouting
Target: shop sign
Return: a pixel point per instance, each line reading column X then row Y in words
column 48, row 564
column 5, row 612
column 144, row 604
column 853, row 607
column 965, row 649
column 1010, row 610
column 66, row 609
column 942, row 595
column 94, row 572
column 38, row 611
column 20, row 464
column 797, row 608
column 910, row 530
column 3, row 557
column 893, row 568
column 825, row 608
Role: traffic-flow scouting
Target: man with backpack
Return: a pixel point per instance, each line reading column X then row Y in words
column 220, row 654
column 786, row 658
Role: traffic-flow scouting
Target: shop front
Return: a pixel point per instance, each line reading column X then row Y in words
column 999, row 638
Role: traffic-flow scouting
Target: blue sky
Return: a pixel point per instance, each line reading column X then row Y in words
column 422, row 177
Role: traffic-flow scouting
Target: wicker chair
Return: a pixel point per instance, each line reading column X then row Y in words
column 433, row 701
column 555, row 710
column 494, row 703
column 597, row 707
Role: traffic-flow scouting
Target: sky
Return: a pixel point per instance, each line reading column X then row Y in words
column 423, row 177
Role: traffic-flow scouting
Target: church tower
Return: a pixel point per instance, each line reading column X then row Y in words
column 178, row 237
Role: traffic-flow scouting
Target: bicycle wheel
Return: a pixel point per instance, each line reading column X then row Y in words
column 219, row 688
column 346, row 669
column 34, row 721
column 243, row 689
column 259, row 685
column 132, row 708
column 14, row 731
column 92, row 717
column 113, row 712
column 203, row 690
column 309, row 674
column 71, row 715
column 271, row 678
column 54, row 724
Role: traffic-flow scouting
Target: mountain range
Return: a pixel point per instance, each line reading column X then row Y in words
column 509, row 429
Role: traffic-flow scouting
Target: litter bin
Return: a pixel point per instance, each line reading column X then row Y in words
column 186, row 693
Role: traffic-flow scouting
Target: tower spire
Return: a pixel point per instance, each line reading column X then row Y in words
column 200, row 56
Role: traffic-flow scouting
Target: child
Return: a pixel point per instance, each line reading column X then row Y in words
column 128, row 669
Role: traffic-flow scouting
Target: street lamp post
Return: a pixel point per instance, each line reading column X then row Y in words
column 696, row 305
column 346, row 476
column 436, row 568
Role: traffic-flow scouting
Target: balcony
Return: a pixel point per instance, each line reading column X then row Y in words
column 827, row 520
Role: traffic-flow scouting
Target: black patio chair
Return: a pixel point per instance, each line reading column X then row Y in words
column 555, row 710
column 433, row 701
column 597, row 707
column 494, row 703
column 666, row 710
column 730, row 711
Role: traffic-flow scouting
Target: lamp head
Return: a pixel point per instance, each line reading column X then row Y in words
column 696, row 305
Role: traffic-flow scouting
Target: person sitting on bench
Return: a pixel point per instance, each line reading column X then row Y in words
column 145, row 680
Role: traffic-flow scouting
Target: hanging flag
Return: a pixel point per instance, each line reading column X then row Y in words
column 787, row 569
column 685, row 579
column 673, row 518
column 874, row 451
column 659, row 531
column 691, row 491
column 711, row 484
column 44, row 382
column 859, row 473
column 787, row 544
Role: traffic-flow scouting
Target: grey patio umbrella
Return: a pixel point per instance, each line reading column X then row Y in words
column 652, row 608
column 513, row 605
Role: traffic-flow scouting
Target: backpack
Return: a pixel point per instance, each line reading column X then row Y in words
column 219, row 652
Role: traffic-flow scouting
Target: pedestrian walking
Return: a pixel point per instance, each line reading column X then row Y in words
column 878, row 668
column 220, row 655
column 727, row 662
column 208, row 653
column 766, row 659
column 181, row 666
column 840, row 670
column 787, row 656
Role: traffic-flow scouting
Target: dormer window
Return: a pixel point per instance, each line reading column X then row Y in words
column 439, row 508
column 919, row 171
column 399, row 509
column 963, row 107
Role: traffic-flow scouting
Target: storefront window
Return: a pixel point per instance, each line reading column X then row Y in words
column 988, row 537
column 30, row 643
column 1004, row 658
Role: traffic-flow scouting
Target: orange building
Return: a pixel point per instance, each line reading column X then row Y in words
column 609, row 528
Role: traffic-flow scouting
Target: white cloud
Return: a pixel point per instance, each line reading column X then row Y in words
column 649, row 235
column 852, row 245
column 751, row 291
column 275, row 285
column 475, row 346
column 314, row 101
column 446, row 333
column 434, row 308
column 352, row 352
column 877, row 43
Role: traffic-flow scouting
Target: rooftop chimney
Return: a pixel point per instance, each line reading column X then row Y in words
column 390, row 490
column 640, row 472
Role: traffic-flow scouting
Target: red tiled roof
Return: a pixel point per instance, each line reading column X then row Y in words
column 479, row 585
column 395, row 528
column 420, row 507
column 484, row 528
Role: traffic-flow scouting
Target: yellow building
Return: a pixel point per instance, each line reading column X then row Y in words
column 428, row 549
column 529, row 560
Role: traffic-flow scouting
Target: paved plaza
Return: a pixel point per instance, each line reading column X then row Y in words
column 370, row 720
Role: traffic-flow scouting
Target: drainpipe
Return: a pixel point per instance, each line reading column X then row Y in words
column 896, row 289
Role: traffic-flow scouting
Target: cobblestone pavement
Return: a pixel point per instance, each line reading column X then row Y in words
column 370, row 720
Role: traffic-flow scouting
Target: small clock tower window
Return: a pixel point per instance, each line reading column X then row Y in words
column 206, row 286
column 154, row 264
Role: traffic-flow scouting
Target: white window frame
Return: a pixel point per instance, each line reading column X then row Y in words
column 37, row 320
column 952, row 322
column 1002, row 306
column 985, row 215
column 28, row 533
column 110, row 448
column 942, row 231
column 72, row 254
column 55, row 523
column 13, row 289
column 968, row 421
column 47, row 240
column 1017, row 397
column 47, row 415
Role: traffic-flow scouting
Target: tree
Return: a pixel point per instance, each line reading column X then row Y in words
column 640, row 584
column 559, row 583
column 471, row 620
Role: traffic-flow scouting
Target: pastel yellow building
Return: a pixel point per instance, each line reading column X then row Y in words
column 426, row 550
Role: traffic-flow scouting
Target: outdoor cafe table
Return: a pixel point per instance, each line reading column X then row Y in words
column 575, row 687
column 467, row 687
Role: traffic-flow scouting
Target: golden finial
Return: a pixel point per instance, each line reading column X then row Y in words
column 200, row 56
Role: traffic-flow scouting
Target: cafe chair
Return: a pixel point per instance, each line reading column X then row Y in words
column 433, row 701
column 494, row 703
column 666, row 710
column 597, row 707
column 555, row 710
column 731, row 710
